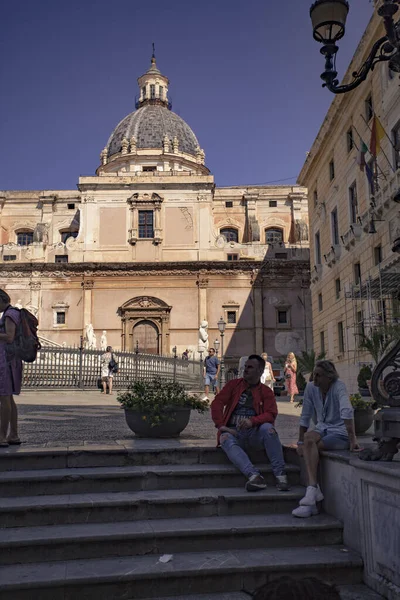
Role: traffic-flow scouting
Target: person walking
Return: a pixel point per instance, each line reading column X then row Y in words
column 10, row 374
column 290, row 372
column 211, row 373
column 267, row 378
column 107, row 371
column 327, row 398
column 244, row 413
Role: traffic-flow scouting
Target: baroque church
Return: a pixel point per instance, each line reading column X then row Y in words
column 149, row 247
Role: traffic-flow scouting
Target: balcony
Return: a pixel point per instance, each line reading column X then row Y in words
column 333, row 255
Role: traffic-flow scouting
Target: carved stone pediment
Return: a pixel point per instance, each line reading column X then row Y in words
column 144, row 303
column 139, row 199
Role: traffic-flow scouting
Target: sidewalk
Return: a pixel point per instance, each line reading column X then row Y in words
column 60, row 418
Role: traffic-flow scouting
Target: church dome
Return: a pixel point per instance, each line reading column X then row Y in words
column 148, row 126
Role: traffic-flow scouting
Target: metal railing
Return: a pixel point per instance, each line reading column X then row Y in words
column 78, row 368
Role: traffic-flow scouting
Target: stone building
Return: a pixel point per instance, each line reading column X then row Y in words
column 148, row 247
column 354, row 215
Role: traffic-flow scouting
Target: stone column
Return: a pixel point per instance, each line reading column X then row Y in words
column 258, row 316
column 87, row 287
column 35, row 300
column 202, row 284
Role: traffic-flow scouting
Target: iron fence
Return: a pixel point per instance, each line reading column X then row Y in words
column 79, row 368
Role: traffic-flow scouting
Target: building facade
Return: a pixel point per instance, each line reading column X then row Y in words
column 354, row 214
column 148, row 247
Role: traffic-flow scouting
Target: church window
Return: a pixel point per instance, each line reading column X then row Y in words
column 152, row 90
column 67, row 234
column 144, row 91
column 232, row 257
column 282, row 317
column 71, row 206
column 24, row 238
column 149, row 169
column 7, row 257
column 273, row 235
column 61, row 258
column 60, row 318
column 228, row 204
column 273, row 203
column 230, row 234
column 146, row 224
column 231, row 314
column 161, row 92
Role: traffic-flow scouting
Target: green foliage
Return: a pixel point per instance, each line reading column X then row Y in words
column 306, row 362
column 157, row 398
column 300, row 380
column 379, row 340
column 364, row 375
column 360, row 403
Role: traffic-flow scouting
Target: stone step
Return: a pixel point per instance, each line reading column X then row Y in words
column 124, row 479
column 142, row 452
column 347, row 592
column 147, row 577
column 158, row 504
column 164, row 536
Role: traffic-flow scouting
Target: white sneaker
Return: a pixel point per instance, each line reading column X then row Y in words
column 313, row 495
column 304, row 512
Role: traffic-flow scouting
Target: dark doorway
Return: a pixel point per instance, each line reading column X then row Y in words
column 145, row 337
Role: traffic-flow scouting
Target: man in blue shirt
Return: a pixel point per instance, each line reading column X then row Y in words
column 211, row 372
column 326, row 401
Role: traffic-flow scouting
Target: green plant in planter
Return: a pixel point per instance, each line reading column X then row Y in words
column 300, row 381
column 156, row 399
column 364, row 376
column 359, row 403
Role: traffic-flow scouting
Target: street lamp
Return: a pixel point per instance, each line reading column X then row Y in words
column 328, row 19
column 216, row 346
column 221, row 327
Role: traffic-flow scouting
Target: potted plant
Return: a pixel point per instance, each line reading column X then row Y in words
column 364, row 411
column 158, row 408
column 363, row 378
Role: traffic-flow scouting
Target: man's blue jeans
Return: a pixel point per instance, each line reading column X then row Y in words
column 256, row 438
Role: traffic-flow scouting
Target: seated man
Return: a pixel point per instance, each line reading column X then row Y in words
column 325, row 397
column 244, row 413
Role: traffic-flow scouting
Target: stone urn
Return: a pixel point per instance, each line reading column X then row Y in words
column 363, row 419
column 176, row 421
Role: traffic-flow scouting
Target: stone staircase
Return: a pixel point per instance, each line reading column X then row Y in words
column 94, row 523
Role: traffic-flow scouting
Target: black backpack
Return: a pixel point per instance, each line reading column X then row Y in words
column 113, row 365
column 26, row 342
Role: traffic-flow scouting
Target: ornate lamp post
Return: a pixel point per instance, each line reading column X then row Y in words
column 221, row 327
column 216, row 346
column 328, row 19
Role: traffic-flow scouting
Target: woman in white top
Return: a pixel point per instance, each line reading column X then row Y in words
column 268, row 376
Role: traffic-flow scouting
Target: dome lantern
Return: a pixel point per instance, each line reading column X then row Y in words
column 153, row 86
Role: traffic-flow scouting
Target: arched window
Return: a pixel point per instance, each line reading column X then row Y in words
column 273, row 235
column 24, row 238
column 67, row 234
column 230, row 234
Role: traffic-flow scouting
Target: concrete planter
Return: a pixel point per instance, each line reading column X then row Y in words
column 178, row 420
column 364, row 392
column 363, row 419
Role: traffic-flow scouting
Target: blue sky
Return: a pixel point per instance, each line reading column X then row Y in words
column 244, row 75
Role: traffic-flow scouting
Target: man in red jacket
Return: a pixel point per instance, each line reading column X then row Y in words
column 244, row 413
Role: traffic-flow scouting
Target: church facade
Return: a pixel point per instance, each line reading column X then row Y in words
column 149, row 247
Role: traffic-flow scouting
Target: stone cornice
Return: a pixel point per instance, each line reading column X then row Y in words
column 272, row 268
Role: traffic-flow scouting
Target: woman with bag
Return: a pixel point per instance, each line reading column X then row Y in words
column 290, row 372
column 108, row 368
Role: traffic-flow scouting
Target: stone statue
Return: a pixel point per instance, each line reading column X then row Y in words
column 103, row 341
column 203, row 336
column 40, row 233
column 103, row 156
column 89, row 338
column 18, row 304
column 301, row 231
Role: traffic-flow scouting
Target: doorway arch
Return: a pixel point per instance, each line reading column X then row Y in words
column 145, row 337
column 154, row 315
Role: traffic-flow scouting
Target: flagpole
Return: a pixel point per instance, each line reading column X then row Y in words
column 382, row 150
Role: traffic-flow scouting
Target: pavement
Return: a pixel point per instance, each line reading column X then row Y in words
column 58, row 418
